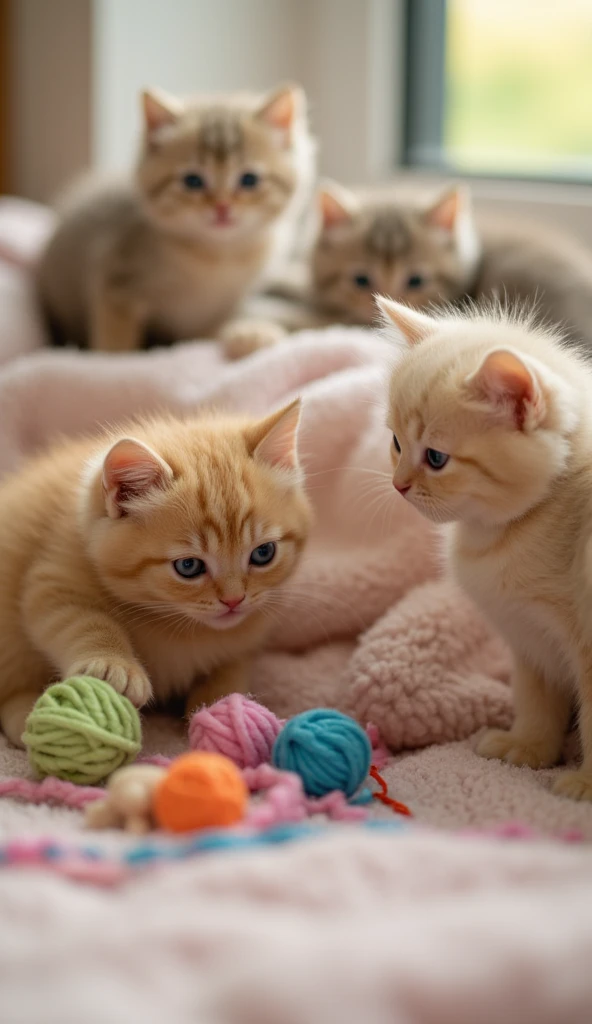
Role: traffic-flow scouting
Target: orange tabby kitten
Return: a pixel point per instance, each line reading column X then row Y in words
column 146, row 557
column 171, row 254
column 492, row 432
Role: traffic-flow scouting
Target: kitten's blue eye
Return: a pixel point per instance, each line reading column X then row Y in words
column 264, row 554
column 436, row 459
column 249, row 180
column 396, row 443
column 415, row 281
column 362, row 281
column 188, row 568
column 193, row 181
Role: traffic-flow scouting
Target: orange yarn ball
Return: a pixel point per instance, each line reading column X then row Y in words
column 200, row 790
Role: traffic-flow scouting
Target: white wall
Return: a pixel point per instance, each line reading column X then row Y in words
column 340, row 50
column 353, row 69
column 80, row 64
column 185, row 46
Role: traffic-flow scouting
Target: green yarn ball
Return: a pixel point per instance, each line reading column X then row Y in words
column 82, row 730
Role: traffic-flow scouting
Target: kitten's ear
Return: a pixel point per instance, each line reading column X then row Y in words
column 160, row 111
column 510, row 387
column 273, row 441
column 444, row 213
column 130, row 470
column 411, row 325
column 337, row 205
column 283, row 109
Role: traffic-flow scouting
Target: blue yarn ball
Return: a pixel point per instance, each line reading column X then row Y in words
column 326, row 749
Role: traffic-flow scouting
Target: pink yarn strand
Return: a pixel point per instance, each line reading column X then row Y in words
column 380, row 752
column 287, row 802
column 51, row 790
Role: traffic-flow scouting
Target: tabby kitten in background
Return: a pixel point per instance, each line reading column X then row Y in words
column 147, row 557
column 440, row 252
column 171, row 253
column 492, row 432
column 419, row 253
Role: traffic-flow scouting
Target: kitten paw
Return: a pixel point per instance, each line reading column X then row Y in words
column 127, row 677
column 575, row 785
column 506, row 746
column 240, row 338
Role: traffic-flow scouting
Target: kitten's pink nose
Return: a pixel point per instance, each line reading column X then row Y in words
column 222, row 213
column 402, row 488
column 232, row 602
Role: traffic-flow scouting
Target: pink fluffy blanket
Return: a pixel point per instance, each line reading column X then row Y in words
column 420, row 927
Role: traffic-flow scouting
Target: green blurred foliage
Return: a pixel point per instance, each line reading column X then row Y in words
column 519, row 86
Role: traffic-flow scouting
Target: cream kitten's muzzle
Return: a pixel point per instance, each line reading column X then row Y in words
column 401, row 488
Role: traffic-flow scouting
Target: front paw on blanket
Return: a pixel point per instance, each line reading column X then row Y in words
column 240, row 338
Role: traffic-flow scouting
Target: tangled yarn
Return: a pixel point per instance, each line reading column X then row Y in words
column 237, row 727
column 81, row 730
column 327, row 749
column 281, row 796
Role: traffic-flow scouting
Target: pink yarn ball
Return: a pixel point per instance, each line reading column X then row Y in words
column 237, row 727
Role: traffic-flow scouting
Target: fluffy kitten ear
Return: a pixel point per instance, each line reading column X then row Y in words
column 273, row 441
column 337, row 205
column 160, row 110
column 283, row 108
column 444, row 213
column 511, row 387
column 130, row 470
column 411, row 325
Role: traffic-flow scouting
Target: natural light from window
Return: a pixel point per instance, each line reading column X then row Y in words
column 518, row 87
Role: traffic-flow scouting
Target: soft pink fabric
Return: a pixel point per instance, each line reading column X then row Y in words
column 412, row 929
column 370, row 555
column 404, row 929
column 24, row 229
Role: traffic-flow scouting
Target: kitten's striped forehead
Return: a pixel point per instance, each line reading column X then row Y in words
column 220, row 135
column 387, row 235
column 223, row 512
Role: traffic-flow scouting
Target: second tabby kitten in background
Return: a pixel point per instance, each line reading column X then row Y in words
column 439, row 251
column 171, row 253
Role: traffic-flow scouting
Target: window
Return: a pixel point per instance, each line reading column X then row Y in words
column 500, row 87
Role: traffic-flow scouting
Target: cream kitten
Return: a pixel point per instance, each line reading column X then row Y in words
column 492, row 432
column 439, row 252
column 171, row 254
column 147, row 557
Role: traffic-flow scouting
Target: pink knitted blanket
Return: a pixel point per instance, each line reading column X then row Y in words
column 369, row 624
column 355, row 927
